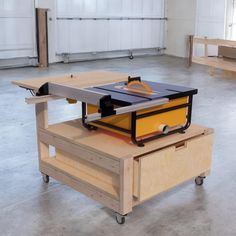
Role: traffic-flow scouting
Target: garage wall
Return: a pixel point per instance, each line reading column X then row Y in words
column 199, row 17
column 75, row 34
column 17, row 29
column 210, row 19
column 181, row 23
column 210, row 22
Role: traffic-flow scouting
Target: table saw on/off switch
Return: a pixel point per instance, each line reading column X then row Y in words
column 141, row 110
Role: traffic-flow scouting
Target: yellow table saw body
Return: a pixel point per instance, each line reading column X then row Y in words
column 149, row 124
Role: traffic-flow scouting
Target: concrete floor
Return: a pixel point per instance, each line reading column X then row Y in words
column 30, row 207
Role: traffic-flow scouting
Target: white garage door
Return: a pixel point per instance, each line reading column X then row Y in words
column 17, row 29
column 231, row 20
column 210, row 22
column 109, row 25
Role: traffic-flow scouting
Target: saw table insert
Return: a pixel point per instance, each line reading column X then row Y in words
column 141, row 110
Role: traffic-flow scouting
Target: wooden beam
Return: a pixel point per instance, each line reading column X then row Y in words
column 41, row 99
column 42, row 123
column 126, row 185
column 42, row 37
column 216, row 42
column 190, row 46
column 206, row 48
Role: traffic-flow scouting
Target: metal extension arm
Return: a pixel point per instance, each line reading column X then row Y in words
column 129, row 109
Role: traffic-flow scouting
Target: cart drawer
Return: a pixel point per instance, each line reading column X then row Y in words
column 159, row 171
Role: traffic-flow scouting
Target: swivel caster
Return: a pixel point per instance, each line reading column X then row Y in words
column 131, row 57
column 199, row 180
column 91, row 127
column 45, row 178
column 120, row 219
column 140, row 144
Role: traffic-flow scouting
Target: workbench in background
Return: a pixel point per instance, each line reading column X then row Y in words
column 217, row 54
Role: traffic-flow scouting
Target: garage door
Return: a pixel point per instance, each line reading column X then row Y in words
column 109, row 25
column 17, row 24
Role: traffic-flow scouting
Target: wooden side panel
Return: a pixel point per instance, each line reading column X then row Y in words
column 227, row 52
column 169, row 167
column 42, row 37
column 216, row 42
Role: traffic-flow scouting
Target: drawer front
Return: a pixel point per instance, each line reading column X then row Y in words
column 159, row 171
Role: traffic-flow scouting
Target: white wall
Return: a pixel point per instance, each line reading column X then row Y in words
column 85, row 36
column 211, row 18
column 74, row 36
column 17, row 29
column 199, row 17
column 181, row 23
column 210, row 22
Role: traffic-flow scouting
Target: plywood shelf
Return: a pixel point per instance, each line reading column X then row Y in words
column 216, row 62
column 82, row 176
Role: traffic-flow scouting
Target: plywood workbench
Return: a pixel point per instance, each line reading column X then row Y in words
column 109, row 168
column 226, row 64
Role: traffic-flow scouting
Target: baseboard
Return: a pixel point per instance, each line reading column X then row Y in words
column 18, row 62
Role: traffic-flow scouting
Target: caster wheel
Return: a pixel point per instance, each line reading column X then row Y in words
column 131, row 57
column 141, row 145
column 199, row 180
column 45, row 178
column 120, row 219
column 91, row 128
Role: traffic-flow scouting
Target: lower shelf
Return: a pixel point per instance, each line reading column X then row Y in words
column 82, row 176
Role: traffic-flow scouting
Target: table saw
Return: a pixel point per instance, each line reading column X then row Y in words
column 141, row 110
column 103, row 163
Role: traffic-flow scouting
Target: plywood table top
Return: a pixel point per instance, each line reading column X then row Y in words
column 81, row 80
column 108, row 143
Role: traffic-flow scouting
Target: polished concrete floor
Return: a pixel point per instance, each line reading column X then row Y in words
column 29, row 207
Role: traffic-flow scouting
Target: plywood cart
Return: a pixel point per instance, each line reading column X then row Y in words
column 109, row 168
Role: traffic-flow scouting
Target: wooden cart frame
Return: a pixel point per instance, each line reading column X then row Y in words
column 110, row 169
